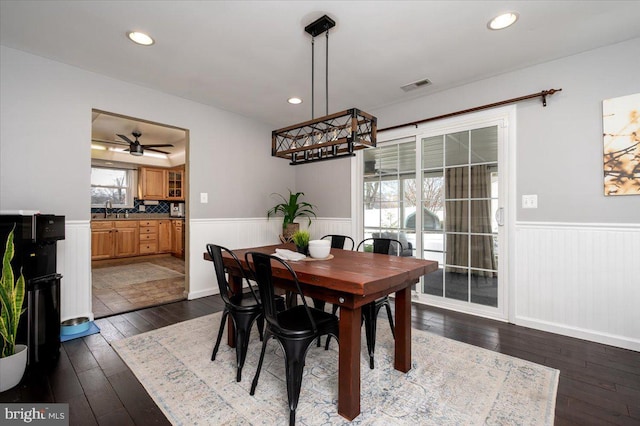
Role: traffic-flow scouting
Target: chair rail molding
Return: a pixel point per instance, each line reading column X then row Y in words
column 579, row 279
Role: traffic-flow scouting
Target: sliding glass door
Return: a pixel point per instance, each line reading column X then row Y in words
column 441, row 194
column 461, row 185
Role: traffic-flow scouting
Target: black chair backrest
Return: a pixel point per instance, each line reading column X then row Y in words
column 215, row 252
column 383, row 245
column 337, row 241
column 260, row 266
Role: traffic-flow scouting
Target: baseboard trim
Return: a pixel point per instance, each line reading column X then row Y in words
column 579, row 333
column 202, row 293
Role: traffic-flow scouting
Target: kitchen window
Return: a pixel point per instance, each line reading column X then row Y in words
column 112, row 184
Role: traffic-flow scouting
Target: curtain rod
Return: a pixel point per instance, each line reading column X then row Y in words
column 542, row 94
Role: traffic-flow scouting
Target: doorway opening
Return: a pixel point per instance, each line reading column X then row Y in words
column 139, row 207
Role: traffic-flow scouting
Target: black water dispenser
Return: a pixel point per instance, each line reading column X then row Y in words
column 35, row 239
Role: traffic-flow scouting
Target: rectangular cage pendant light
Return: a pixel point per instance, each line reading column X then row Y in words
column 325, row 138
column 329, row 137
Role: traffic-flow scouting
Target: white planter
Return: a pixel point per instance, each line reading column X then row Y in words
column 12, row 368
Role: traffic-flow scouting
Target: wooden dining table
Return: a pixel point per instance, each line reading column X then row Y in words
column 350, row 279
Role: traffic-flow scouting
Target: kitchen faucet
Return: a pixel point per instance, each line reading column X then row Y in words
column 107, row 206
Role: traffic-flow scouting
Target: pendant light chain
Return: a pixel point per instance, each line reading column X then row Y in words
column 312, row 74
column 327, row 74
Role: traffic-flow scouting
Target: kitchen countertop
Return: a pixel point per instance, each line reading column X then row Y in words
column 99, row 217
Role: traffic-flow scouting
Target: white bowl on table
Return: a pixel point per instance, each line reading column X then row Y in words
column 319, row 249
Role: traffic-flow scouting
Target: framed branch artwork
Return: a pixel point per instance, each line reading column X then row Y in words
column 621, row 134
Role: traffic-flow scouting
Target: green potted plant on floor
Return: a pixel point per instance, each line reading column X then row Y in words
column 291, row 209
column 301, row 240
column 13, row 358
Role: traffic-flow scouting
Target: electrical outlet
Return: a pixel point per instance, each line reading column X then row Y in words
column 529, row 201
column 204, row 197
column 141, row 208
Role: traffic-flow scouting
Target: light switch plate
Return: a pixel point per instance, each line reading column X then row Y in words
column 530, row 201
column 204, row 197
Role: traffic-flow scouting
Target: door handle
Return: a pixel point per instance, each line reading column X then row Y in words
column 500, row 216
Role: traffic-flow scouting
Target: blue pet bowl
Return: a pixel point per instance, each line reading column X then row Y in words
column 74, row 326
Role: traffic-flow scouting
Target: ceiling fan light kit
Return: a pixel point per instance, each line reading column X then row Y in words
column 326, row 138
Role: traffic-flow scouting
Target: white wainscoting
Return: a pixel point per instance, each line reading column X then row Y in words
column 579, row 280
column 74, row 263
column 242, row 233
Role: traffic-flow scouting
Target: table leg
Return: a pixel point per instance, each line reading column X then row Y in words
column 403, row 330
column 349, row 363
column 236, row 285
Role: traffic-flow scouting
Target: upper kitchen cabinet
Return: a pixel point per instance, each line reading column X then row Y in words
column 175, row 184
column 152, row 184
column 161, row 184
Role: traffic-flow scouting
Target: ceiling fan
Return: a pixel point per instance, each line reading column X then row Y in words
column 136, row 148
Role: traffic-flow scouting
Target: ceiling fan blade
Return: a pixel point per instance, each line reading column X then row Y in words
column 109, row 142
column 146, row 147
column 157, row 145
column 125, row 138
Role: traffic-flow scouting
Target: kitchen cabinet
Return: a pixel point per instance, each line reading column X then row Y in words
column 148, row 236
column 164, row 236
column 111, row 239
column 126, row 238
column 161, row 184
column 101, row 240
column 178, row 238
column 175, row 184
column 152, row 183
column 155, row 236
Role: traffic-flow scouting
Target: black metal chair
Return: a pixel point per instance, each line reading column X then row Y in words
column 295, row 328
column 338, row 241
column 244, row 309
column 370, row 311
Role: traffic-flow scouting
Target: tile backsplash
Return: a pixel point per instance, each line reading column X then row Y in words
column 161, row 208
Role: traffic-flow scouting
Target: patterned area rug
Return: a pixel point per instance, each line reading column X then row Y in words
column 450, row 383
column 125, row 275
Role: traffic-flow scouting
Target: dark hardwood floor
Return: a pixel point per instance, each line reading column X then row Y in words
column 599, row 384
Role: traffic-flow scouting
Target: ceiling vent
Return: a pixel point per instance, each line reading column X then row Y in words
column 416, row 85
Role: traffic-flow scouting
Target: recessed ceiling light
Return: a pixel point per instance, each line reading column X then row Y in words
column 140, row 38
column 503, row 21
column 294, row 101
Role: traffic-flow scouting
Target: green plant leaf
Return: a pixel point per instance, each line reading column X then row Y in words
column 11, row 300
column 292, row 208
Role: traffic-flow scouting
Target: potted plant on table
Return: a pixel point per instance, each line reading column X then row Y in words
column 291, row 209
column 301, row 240
column 13, row 358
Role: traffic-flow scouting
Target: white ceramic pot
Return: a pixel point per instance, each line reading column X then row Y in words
column 12, row 368
column 319, row 249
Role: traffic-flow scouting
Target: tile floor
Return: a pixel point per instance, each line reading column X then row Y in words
column 110, row 301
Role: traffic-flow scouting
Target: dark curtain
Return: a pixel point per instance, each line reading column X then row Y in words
column 478, row 189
